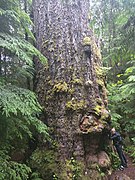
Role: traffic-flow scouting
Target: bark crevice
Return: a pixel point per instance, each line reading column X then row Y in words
column 71, row 89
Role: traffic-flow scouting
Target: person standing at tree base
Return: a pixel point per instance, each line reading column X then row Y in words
column 117, row 142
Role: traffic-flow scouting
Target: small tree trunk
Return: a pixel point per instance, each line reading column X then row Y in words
column 71, row 89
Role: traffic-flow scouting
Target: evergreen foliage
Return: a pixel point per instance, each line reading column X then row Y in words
column 12, row 170
column 19, row 108
column 20, row 48
column 114, row 23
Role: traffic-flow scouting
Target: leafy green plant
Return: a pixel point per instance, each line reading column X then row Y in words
column 131, row 151
column 102, row 174
column 114, row 157
column 12, row 170
column 115, row 160
column 35, row 176
column 15, row 51
column 44, row 162
column 19, row 107
column 74, row 168
column 20, row 48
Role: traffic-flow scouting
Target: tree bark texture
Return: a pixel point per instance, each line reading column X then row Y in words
column 72, row 89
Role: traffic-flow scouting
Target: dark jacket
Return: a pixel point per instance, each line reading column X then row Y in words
column 117, row 139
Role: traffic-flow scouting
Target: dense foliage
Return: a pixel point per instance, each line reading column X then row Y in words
column 114, row 23
column 21, row 131
column 19, row 108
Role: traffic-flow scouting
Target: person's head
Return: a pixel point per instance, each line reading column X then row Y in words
column 113, row 130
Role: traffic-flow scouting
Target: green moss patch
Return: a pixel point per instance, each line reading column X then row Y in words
column 76, row 105
column 77, row 81
column 60, row 87
column 86, row 41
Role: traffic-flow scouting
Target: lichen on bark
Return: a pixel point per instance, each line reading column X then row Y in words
column 71, row 89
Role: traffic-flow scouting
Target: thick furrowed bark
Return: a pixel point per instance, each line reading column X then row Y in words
column 72, row 88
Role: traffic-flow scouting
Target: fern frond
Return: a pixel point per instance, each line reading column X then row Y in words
column 10, row 13
column 14, row 100
column 127, row 90
column 12, row 170
column 20, row 107
column 28, row 31
column 131, row 78
column 21, row 48
column 41, row 128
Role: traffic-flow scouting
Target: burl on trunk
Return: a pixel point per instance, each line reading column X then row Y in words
column 71, row 88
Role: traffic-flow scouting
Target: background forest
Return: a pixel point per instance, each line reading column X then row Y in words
column 114, row 23
column 22, row 133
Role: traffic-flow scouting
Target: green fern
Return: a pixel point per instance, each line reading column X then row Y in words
column 12, row 170
column 20, row 108
column 21, row 48
column 14, row 100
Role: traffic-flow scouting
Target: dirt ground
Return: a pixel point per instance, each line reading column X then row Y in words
column 127, row 174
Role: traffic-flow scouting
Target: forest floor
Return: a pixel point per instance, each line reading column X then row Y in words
column 127, row 174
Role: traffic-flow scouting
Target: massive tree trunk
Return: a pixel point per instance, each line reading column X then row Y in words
column 71, row 89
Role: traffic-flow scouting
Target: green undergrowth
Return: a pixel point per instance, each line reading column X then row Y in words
column 102, row 174
column 19, row 124
column 131, row 151
column 46, row 164
column 74, row 169
column 113, row 156
column 12, row 170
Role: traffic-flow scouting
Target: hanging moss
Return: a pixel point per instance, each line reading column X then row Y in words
column 58, row 87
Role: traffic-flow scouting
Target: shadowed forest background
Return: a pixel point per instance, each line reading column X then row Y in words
column 67, row 75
